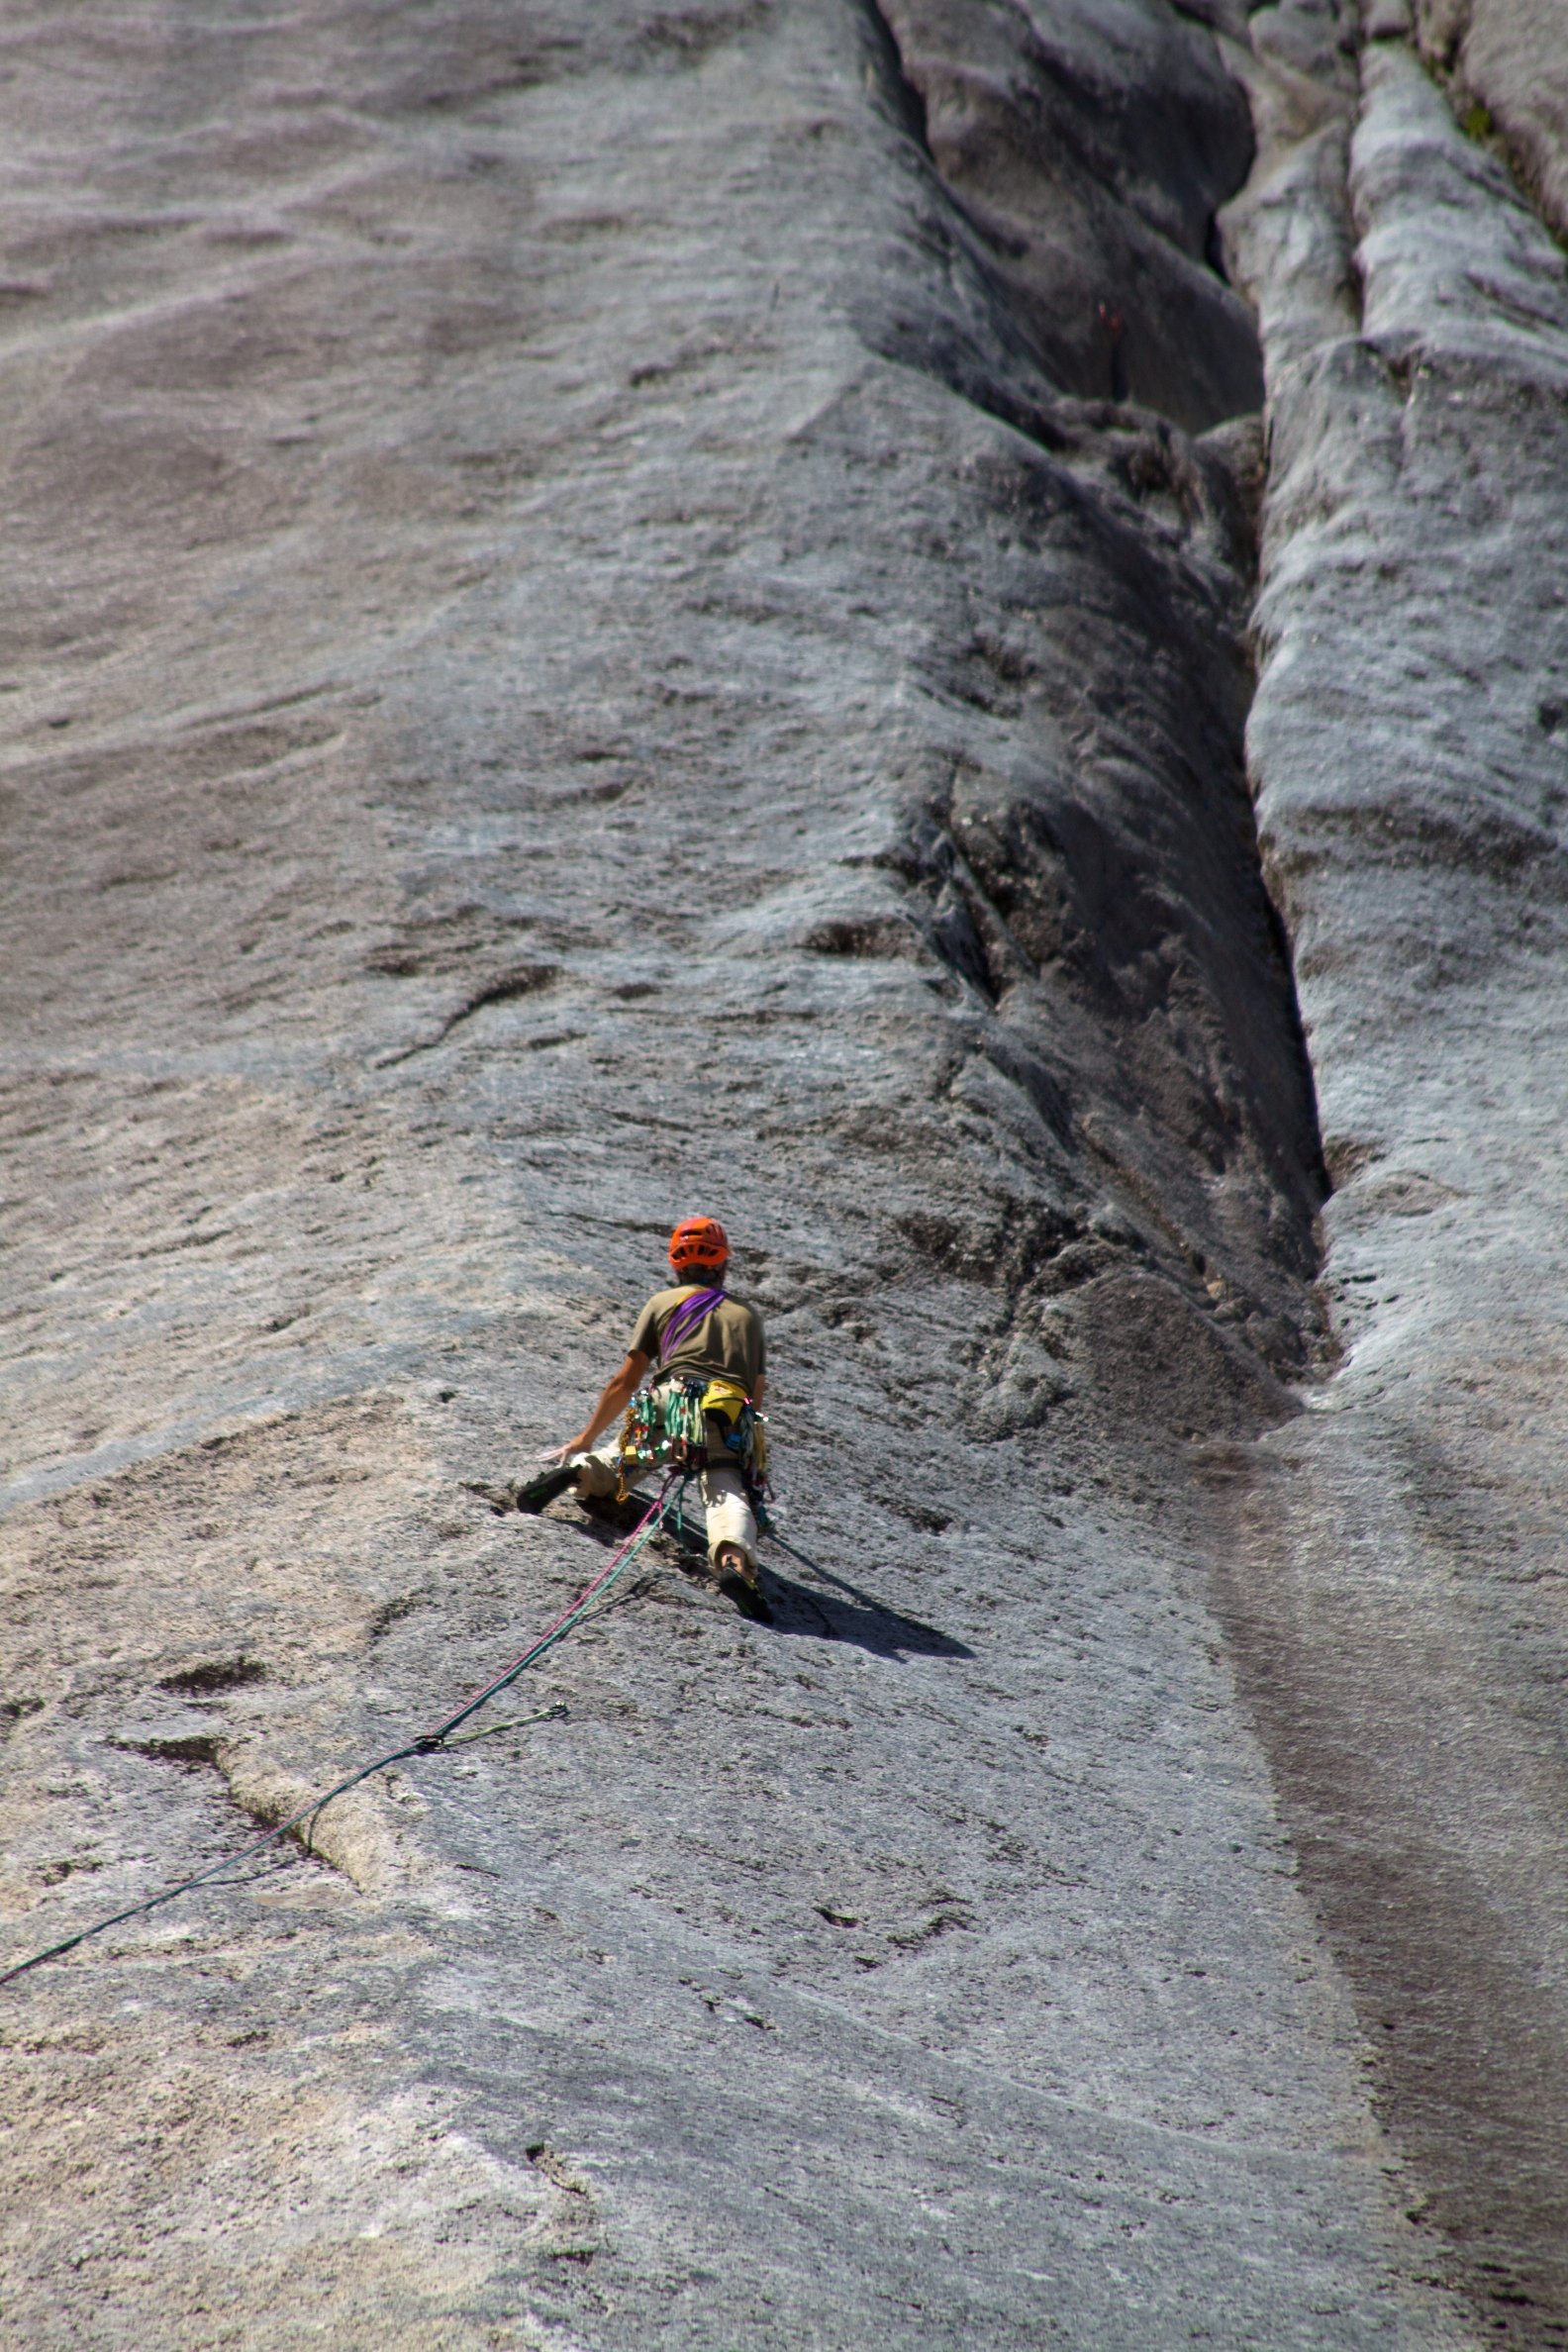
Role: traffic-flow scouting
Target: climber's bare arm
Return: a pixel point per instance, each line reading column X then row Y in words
column 618, row 1395
column 761, row 1391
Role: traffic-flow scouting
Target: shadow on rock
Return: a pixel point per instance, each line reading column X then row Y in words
column 862, row 1619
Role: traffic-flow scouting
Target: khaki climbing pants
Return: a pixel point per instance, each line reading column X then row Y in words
column 729, row 1516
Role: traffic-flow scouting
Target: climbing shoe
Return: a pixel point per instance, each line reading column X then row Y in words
column 541, row 1491
column 738, row 1581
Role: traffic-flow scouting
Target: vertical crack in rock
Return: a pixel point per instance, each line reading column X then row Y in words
column 1395, row 1588
column 1091, row 152
column 1088, row 866
column 603, row 638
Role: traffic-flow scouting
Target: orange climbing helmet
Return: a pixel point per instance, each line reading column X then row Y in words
column 698, row 1241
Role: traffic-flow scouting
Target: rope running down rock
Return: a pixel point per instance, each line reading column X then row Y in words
column 427, row 1744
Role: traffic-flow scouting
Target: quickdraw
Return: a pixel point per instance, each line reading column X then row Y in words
column 669, row 1423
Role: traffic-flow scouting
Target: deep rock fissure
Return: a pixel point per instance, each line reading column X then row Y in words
column 1402, row 1662
column 699, row 427
column 1004, row 888
column 1093, row 169
column 1411, row 1922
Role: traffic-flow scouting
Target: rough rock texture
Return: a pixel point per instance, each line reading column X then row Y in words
column 587, row 641
column 1397, row 1604
column 1510, row 58
column 1092, row 146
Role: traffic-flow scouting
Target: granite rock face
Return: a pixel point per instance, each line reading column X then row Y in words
column 1092, row 146
column 1400, row 1599
column 1510, row 60
column 601, row 627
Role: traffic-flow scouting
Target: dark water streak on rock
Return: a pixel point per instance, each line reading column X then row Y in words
column 622, row 649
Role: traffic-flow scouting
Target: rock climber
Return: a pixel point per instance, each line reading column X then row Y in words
column 708, row 1358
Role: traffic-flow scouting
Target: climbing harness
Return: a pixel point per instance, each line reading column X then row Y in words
column 669, row 1423
column 427, row 1744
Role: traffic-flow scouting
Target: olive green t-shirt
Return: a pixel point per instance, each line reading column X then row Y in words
column 728, row 1343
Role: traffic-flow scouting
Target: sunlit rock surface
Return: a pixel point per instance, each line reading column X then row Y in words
column 1506, row 65
column 1399, row 1595
column 602, row 622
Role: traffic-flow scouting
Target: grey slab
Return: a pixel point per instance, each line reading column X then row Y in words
column 1408, row 769
column 576, row 664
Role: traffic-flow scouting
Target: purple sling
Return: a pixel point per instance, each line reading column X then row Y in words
column 687, row 1316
